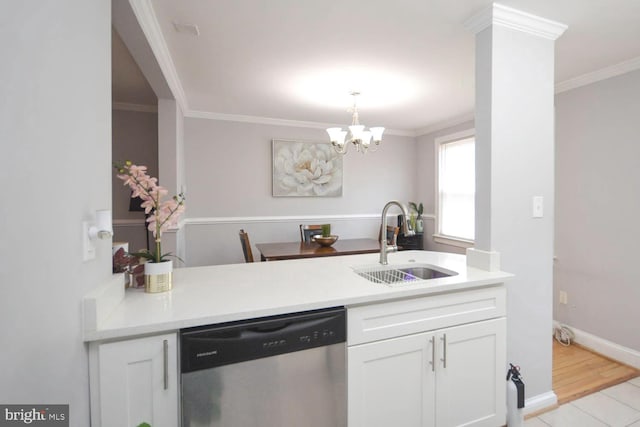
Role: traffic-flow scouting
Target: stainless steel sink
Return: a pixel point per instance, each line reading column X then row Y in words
column 402, row 274
column 426, row 273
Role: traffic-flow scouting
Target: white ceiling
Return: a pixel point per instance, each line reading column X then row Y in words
column 413, row 60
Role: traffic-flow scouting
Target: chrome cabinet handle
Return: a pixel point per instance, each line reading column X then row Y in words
column 165, row 364
column 444, row 350
column 432, row 340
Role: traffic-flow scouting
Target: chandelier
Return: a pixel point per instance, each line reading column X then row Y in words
column 364, row 140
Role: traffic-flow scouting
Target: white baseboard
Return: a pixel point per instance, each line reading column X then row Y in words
column 540, row 402
column 605, row 347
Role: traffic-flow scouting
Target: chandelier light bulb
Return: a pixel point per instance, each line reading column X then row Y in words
column 356, row 132
column 376, row 134
column 365, row 139
column 336, row 135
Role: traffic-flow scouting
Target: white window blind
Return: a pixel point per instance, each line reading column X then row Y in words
column 456, row 188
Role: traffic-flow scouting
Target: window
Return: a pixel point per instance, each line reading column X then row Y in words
column 456, row 189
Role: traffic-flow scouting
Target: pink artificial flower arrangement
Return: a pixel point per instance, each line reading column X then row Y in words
column 162, row 214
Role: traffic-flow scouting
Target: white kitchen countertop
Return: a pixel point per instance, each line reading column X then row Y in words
column 222, row 293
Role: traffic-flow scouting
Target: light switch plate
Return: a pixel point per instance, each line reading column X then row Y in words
column 538, row 207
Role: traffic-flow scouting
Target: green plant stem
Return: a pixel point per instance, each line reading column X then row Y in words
column 158, row 253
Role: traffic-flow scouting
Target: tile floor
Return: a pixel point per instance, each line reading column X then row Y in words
column 617, row 406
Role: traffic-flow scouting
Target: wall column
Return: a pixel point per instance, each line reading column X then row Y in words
column 171, row 167
column 514, row 165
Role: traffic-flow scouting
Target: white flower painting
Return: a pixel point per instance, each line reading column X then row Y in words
column 306, row 169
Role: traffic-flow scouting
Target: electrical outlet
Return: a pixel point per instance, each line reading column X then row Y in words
column 563, row 297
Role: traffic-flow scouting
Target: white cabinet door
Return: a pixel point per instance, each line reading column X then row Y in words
column 137, row 382
column 394, row 381
column 470, row 385
column 391, row 382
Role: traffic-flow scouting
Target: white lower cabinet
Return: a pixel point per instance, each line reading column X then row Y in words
column 444, row 377
column 470, row 375
column 390, row 384
column 134, row 381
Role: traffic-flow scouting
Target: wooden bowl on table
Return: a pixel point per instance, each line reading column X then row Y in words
column 325, row 241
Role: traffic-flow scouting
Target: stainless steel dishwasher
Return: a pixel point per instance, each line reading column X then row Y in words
column 279, row 371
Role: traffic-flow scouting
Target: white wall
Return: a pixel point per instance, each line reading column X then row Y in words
column 55, row 131
column 228, row 173
column 514, row 163
column 597, row 208
column 171, row 164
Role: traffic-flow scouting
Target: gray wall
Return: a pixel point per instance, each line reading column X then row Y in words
column 228, row 174
column 426, row 188
column 135, row 138
column 55, row 131
column 597, row 208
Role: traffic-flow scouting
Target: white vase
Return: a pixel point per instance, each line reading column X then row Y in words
column 158, row 276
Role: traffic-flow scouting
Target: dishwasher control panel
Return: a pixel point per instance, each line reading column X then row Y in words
column 209, row 346
column 325, row 334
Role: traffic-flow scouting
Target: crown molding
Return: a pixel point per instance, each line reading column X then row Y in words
column 142, row 108
column 583, row 80
column 514, row 19
column 254, row 119
column 277, row 122
column 445, row 124
column 602, row 74
column 318, row 125
column 143, row 10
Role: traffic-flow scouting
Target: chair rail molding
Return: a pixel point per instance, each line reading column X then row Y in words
column 128, row 222
column 277, row 219
column 141, row 108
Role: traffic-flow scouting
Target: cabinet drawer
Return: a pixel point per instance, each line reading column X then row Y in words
column 391, row 319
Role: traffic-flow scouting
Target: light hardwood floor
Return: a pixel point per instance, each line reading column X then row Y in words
column 578, row 372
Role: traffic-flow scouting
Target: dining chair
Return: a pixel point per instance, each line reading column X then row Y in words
column 246, row 246
column 307, row 231
column 392, row 235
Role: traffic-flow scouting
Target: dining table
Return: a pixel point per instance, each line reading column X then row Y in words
column 295, row 250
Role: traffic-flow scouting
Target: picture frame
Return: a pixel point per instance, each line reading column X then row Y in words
column 306, row 169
